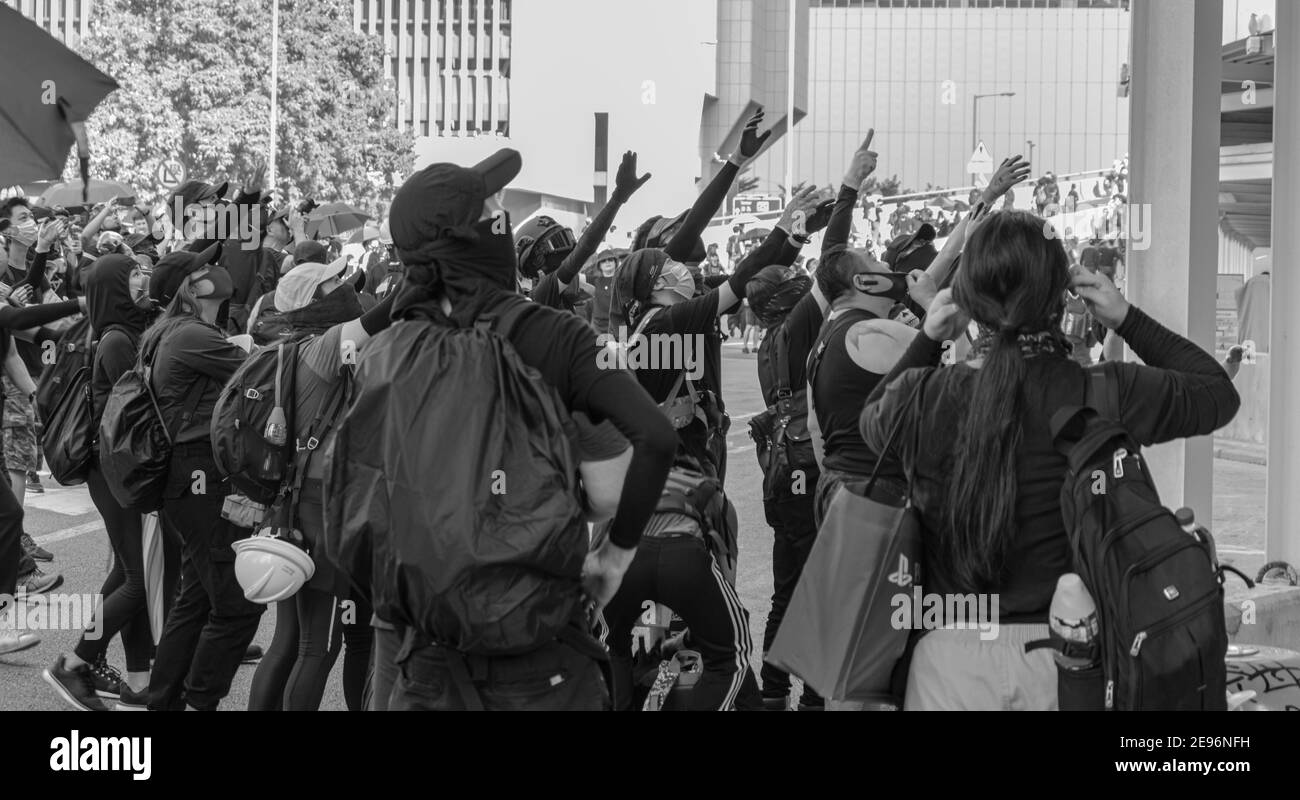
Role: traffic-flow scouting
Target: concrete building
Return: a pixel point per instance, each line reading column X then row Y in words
column 66, row 20
column 572, row 84
column 925, row 73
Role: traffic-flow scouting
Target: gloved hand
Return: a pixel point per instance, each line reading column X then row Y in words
column 625, row 181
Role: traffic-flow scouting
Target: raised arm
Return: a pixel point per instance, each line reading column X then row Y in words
column 625, row 185
column 841, row 222
column 710, row 200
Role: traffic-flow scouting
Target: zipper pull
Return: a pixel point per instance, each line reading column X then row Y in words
column 1118, row 462
column 1137, row 643
column 1110, row 695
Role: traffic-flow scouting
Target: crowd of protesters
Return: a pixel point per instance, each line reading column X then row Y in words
column 623, row 505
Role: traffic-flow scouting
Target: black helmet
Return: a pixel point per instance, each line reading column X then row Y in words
column 541, row 244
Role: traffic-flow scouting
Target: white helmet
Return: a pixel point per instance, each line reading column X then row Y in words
column 270, row 569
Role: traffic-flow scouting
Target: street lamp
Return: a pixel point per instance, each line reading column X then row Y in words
column 975, row 115
column 1030, row 142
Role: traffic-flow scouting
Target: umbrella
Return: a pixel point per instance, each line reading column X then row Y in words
column 36, row 126
column 332, row 219
column 755, row 233
column 154, row 579
column 73, row 193
column 745, row 219
column 364, row 234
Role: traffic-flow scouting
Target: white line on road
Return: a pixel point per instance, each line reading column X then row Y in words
column 1239, row 551
column 69, row 533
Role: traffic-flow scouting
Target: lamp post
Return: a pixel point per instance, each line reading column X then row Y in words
column 275, row 72
column 1030, row 142
column 975, row 115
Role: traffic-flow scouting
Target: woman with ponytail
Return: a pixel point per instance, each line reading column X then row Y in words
column 977, row 440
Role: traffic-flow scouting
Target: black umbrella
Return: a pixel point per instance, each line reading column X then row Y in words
column 46, row 95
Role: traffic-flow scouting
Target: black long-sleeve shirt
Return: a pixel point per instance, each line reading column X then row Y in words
column 698, row 218
column 1182, row 391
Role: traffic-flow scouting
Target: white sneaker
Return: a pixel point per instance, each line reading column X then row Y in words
column 13, row 640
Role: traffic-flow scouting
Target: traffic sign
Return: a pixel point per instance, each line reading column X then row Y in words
column 981, row 163
column 756, row 204
column 170, row 174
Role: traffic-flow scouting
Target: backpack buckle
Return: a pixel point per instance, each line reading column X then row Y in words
column 312, row 443
column 252, row 394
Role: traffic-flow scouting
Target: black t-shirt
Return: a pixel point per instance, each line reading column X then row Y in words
column 839, row 390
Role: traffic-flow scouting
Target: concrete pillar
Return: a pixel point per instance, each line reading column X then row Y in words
column 1283, row 540
column 1174, row 172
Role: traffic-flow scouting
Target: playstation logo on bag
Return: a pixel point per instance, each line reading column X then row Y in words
column 902, row 577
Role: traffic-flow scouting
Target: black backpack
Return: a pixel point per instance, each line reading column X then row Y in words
column 135, row 445
column 454, row 470
column 1158, row 589
column 261, row 393
column 72, row 352
column 780, row 432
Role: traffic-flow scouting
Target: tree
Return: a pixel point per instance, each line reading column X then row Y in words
column 889, row 187
column 195, row 81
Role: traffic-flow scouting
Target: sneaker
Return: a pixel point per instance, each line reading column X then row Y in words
column 34, row 483
column 108, row 681
column 34, row 550
column 11, row 640
column 252, row 655
column 76, row 686
column 776, row 704
column 37, row 582
column 132, row 701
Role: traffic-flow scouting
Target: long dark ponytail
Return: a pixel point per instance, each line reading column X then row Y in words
column 1012, row 281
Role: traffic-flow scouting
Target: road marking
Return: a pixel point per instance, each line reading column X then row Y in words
column 1239, row 551
column 74, row 503
column 69, row 533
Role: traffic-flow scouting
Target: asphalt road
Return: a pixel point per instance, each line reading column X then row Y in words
column 64, row 521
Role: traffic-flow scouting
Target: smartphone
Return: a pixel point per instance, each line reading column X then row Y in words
column 127, row 202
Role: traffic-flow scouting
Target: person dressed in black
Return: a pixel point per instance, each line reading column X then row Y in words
column 116, row 295
column 448, row 230
column 310, row 627
column 986, row 478
column 550, row 260
column 211, row 624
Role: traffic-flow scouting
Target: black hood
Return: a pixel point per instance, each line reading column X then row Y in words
column 108, row 295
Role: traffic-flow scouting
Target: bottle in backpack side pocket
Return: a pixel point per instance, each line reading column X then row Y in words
column 1073, row 622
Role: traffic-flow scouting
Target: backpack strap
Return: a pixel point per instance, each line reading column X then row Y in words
column 1102, row 391
column 782, row 358
column 912, row 402
column 192, row 397
column 327, row 414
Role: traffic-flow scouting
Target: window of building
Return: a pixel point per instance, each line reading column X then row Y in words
column 453, row 104
column 440, row 103
column 471, row 104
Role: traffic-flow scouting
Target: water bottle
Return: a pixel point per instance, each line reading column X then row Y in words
column 1073, row 617
column 1186, row 518
column 276, row 436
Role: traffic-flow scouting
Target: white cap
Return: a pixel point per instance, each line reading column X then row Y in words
column 297, row 287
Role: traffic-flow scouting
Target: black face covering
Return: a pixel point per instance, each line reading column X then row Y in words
column 461, row 267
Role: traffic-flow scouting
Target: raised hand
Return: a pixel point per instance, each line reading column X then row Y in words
column 824, row 205
column 751, row 141
column 1105, row 301
column 945, row 320
column 1009, row 173
column 625, row 181
column 863, row 163
column 794, row 218
column 51, row 231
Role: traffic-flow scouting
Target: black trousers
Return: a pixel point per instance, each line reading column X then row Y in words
column 13, row 561
column 556, row 677
column 794, row 530
column 681, row 573
column 211, row 625
column 383, row 675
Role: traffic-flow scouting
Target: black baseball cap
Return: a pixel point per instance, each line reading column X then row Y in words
column 309, row 252
column 445, row 198
column 171, row 270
